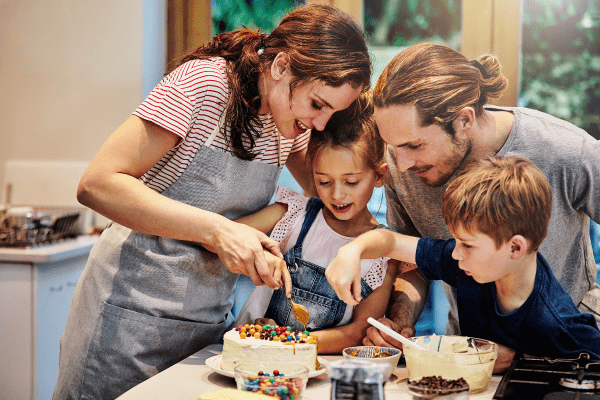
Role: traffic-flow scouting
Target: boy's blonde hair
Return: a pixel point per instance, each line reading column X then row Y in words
column 500, row 197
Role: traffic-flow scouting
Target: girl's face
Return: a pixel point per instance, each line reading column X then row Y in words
column 311, row 104
column 344, row 183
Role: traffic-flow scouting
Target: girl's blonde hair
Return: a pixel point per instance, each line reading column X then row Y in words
column 440, row 82
column 500, row 197
column 353, row 129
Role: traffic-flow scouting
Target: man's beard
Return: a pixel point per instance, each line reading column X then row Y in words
column 458, row 161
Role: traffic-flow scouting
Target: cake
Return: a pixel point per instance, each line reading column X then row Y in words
column 257, row 344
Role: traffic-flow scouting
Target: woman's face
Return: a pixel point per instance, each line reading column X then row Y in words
column 311, row 104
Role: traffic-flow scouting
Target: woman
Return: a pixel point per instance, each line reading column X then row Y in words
column 205, row 147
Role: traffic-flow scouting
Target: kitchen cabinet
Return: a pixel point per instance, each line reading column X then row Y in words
column 36, row 289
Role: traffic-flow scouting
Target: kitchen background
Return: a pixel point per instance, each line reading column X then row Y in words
column 72, row 71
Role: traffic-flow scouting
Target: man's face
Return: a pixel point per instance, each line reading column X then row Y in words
column 430, row 152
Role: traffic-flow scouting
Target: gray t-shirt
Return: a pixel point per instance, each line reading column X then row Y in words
column 569, row 158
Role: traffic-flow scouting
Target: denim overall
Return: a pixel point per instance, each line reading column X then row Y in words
column 310, row 286
column 145, row 302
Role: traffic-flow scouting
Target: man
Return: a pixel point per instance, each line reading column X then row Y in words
column 430, row 109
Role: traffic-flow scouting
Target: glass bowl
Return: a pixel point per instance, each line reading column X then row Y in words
column 376, row 354
column 276, row 379
column 453, row 357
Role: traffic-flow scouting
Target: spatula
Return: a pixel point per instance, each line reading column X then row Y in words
column 393, row 334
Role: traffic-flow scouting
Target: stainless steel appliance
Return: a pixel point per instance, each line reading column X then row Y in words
column 530, row 378
column 28, row 226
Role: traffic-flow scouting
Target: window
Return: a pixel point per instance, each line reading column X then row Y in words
column 407, row 22
column 264, row 14
column 561, row 60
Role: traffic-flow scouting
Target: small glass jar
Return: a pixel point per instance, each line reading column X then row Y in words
column 357, row 380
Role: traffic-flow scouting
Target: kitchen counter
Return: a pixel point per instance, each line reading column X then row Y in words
column 37, row 286
column 49, row 253
column 190, row 377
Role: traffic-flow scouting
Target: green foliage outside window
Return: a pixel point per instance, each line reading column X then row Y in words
column 264, row 14
column 408, row 22
column 561, row 60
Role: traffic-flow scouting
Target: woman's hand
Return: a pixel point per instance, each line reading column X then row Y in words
column 344, row 274
column 242, row 250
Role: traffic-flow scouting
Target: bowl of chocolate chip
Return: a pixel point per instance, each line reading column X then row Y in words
column 431, row 387
column 452, row 357
column 376, row 354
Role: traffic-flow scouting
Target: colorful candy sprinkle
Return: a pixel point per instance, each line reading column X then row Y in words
column 276, row 386
column 275, row 333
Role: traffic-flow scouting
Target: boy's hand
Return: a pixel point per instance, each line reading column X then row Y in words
column 344, row 275
column 375, row 337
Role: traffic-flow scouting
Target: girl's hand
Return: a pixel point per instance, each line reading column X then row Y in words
column 241, row 249
column 344, row 274
column 264, row 321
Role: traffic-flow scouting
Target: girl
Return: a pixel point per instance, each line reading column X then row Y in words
column 205, row 147
column 347, row 161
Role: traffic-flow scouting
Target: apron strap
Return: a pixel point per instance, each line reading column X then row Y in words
column 215, row 131
column 218, row 127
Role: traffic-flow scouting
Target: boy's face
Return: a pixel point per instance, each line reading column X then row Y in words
column 478, row 256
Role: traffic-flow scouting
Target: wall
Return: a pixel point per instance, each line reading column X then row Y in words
column 70, row 74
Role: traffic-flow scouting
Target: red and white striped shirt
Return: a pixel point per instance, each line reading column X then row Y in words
column 189, row 102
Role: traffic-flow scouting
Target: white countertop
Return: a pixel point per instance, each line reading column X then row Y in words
column 191, row 377
column 47, row 253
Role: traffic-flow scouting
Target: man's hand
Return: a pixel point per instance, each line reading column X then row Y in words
column 375, row 337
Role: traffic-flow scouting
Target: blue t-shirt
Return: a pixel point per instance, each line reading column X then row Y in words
column 547, row 324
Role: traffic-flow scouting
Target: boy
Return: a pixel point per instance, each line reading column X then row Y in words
column 498, row 212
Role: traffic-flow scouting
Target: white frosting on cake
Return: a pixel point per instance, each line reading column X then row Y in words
column 250, row 350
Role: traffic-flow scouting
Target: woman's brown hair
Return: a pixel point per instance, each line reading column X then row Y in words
column 440, row 82
column 321, row 42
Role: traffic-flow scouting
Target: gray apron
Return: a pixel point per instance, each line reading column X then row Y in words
column 145, row 302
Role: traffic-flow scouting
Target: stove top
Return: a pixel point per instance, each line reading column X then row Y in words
column 530, row 378
column 30, row 228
